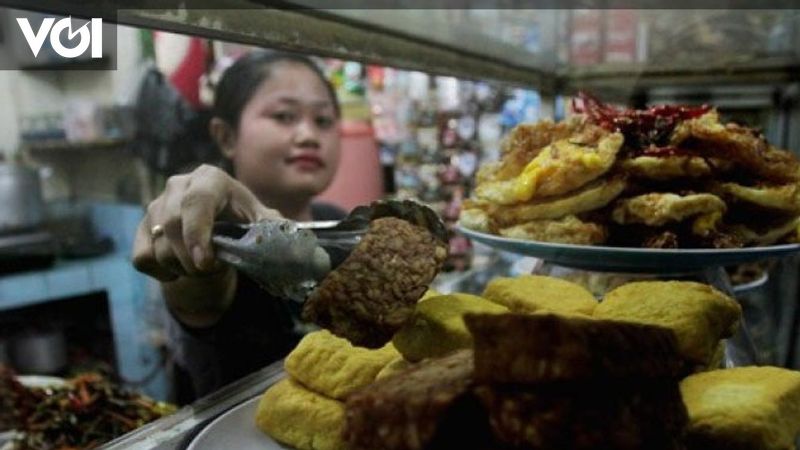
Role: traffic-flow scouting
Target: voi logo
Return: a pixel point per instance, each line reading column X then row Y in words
column 87, row 38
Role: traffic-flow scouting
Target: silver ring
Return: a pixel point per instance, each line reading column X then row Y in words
column 156, row 231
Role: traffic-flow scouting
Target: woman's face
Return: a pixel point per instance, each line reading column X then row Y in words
column 287, row 143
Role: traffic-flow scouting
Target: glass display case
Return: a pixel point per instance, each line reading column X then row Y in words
column 745, row 62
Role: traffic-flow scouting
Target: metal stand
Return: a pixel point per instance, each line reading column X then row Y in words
column 739, row 348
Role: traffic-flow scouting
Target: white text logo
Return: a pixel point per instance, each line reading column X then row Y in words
column 87, row 38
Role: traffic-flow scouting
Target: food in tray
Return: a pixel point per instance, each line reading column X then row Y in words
column 437, row 326
column 534, row 293
column 698, row 314
column 397, row 365
column 306, row 410
column 299, row 417
column 374, row 291
column 11, row 395
column 743, row 408
column 567, row 230
column 333, row 367
column 557, row 168
column 617, row 415
column 413, row 409
column 549, row 376
column 84, row 413
column 569, row 349
column 664, row 177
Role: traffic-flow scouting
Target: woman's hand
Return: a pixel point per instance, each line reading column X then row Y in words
column 174, row 238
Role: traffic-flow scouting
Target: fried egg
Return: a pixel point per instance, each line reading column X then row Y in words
column 563, row 166
column 781, row 197
column 738, row 144
column 662, row 168
column 657, row 209
column 567, row 230
column 591, row 197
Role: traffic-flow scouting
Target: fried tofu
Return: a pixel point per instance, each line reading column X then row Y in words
column 332, row 366
column 302, row 419
column 437, row 327
column 540, row 348
column 533, row 293
column 567, row 230
column 743, row 408
column 429, row 294
column 396, row 366
column 698, row 314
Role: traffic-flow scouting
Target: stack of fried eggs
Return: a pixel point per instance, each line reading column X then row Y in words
column 544, row 373
column 665, row 177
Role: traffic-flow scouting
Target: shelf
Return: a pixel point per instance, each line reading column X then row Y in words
column 50, row 147
column 613, row 80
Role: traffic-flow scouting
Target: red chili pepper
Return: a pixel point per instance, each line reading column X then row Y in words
column 641, row 127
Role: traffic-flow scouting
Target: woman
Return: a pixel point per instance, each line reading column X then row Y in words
column 276, row 122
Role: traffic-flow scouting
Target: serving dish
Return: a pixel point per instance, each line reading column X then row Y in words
column 626, row 259
column 235, row 428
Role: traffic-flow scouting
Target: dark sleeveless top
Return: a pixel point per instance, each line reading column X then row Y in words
column 255, row 331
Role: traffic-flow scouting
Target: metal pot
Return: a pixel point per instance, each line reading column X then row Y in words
column 42, row 352
column 21, row 203
column 3, row 353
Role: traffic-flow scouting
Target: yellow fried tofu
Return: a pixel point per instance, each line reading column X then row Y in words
column 397, row 365
column 437, row 327
column 535, row 293
column 752, row 408
column 332, row 366
column 430, row 293
column 698, row 314
column 717, row 358
column 305, row 420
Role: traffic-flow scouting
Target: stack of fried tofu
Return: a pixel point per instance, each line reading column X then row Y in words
column 538, row 363
column 306, row 409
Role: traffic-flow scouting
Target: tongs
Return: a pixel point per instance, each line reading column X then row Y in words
column 289, row 259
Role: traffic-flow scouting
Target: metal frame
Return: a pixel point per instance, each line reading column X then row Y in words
column 349, row 35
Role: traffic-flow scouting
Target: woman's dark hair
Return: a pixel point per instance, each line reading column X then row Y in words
column 241, row 80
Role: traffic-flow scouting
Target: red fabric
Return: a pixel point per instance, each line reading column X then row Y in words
column 186, row 77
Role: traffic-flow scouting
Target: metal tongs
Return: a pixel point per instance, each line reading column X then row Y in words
column 289, row 259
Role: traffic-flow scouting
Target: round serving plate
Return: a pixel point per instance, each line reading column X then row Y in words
column 235, row 428
column 626, row 259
